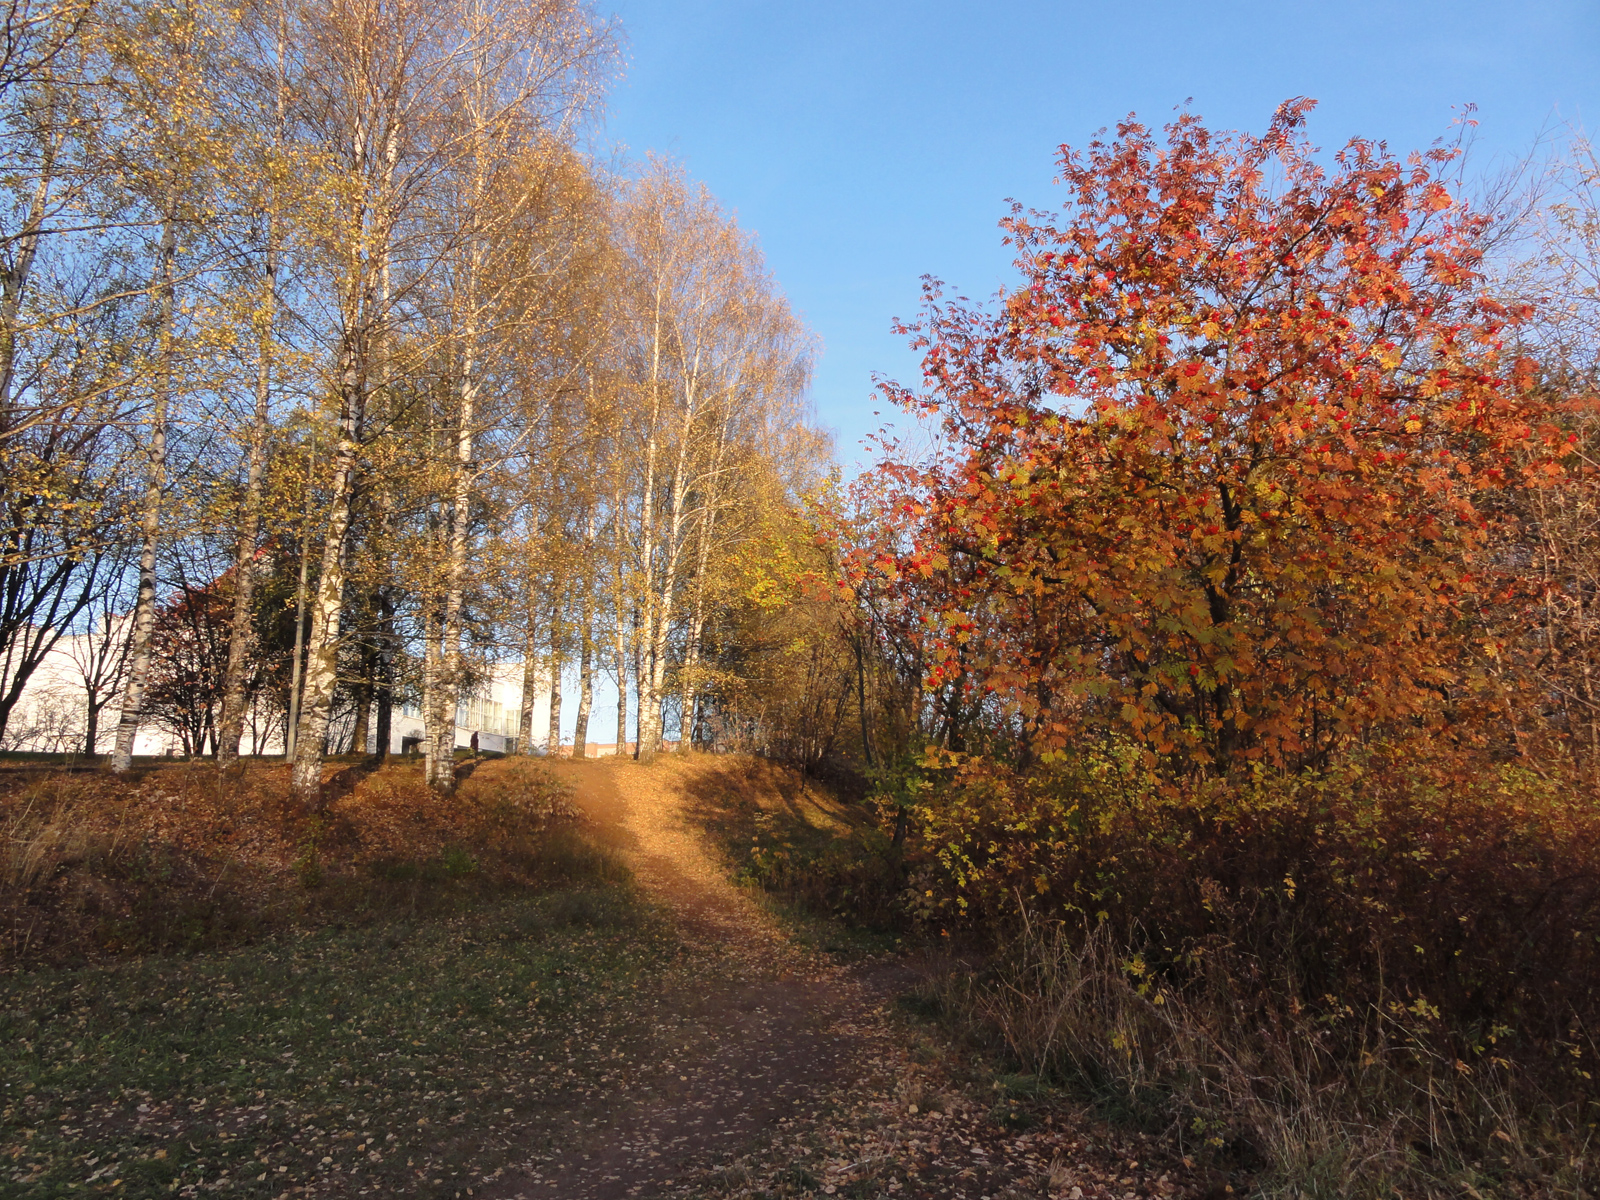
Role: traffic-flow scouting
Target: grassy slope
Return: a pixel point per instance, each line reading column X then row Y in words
column 390, row 1056
column 388, row 1022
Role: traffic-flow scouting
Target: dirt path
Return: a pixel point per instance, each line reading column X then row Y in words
column 781, row 1073
column 761, row 1028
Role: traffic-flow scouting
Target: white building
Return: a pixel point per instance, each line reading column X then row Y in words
column 51, row 715
column 492, row 714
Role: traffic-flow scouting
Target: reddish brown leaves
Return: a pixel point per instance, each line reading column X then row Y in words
column 1213, row 467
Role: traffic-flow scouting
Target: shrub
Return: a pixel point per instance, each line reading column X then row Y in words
column 1476, row 893
column 1390, row 967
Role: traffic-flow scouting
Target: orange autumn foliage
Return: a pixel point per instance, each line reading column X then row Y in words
column 1213, row 473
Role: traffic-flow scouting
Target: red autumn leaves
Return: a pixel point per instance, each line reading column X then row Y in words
column 1213, row 474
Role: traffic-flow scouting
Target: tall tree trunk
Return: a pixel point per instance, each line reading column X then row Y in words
column 646, row 725
column 653, row 700
column 689, row 689
column 144, row 610
column 662, row 597
column 859, row 642
column 580, row 727
column 388, row 637
column 322, row 660
column 441, row 767
column 619, row 600
column 385, row 673
column 91, row 732
column 363, row 692
column 658, row 628
column 553, row 732
column 636, row 644
column 301, row 593
column 438, row 724
column 530, row 679
column 241, row 640
column 620, row 650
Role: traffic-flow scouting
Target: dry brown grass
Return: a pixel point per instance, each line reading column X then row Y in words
column 46, row 833
column 743, row 781
column 1274, row 1092
column 178, row 856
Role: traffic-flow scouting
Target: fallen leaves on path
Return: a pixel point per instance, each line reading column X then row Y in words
column 795, row 1075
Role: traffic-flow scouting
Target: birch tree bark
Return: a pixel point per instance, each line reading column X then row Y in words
column 230, row 726
column 580, row 728
column 620, row 627
column 144, row 609
column 553, row 736
column 530, row 682
column 322, row 660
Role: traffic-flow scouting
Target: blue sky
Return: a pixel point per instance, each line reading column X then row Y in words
column 869, row 143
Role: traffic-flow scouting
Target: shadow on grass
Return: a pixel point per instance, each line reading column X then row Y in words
column 826, row 864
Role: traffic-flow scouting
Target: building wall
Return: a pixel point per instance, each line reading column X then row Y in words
column 493, row 715
column 51, row 715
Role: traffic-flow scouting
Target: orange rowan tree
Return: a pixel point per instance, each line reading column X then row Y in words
column 1211, row 475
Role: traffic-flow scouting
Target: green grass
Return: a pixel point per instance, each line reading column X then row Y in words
column 387, row 1059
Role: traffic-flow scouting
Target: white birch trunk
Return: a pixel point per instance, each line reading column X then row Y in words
column 438, row 723
column 580, row 728
column 553, row 741
column 322, row 660
column 689, row 691
column 620, row 651
column 644, row 745
column 300, row 609
column 440, row 740
column 144, row 611
column 530, row 681
column 662, row 601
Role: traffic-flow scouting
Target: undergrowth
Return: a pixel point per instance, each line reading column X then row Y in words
column 1381, row 980
column 794, row 841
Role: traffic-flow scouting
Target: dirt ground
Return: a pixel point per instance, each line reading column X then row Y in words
column 785, row 1073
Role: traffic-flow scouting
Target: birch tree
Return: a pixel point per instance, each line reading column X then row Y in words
column 713, row 344
column 164, row 56
column 268, row 169
column 530, row 74
column 409, row 100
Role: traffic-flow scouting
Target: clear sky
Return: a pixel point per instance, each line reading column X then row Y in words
column 870, row 143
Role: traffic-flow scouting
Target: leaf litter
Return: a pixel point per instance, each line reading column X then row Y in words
column 585, row 1043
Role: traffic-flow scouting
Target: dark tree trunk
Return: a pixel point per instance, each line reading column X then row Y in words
column 91, row 733
column 384, row 679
